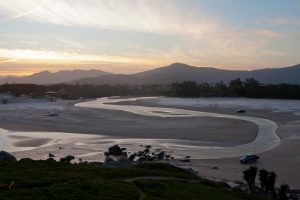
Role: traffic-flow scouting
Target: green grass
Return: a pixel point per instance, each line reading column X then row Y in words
column 179, row 190
column 55, row 181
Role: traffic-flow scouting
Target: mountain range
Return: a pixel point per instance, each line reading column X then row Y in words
column 176, row 72
column 179, row 72
column 46, row 77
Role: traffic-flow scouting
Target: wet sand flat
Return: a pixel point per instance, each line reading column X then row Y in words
column 225, row 132
column 284, row 159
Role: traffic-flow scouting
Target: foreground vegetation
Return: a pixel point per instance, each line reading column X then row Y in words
column 235, row 88
column 54, row 180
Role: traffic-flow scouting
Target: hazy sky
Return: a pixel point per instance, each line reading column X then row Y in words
column 127, row 36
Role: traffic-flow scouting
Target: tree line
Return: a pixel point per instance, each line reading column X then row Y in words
column 267, row 184
column 235, row 88
column 68, row 91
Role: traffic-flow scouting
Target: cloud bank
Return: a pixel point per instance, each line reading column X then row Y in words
column 202, row 39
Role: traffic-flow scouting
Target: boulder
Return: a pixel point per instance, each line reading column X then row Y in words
column 132, row 157
column 51, row 155
column 67, row 159
column 146, row 158
column 108, row 160
column 121, row 162
column 161, row 155
column 5, row 156
column 125, row 154
column 115, row 150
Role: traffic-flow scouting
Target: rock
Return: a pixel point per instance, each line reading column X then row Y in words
column 188, row 157
column 67, row 159
column 115, row 150
column 51, row 155
column 70, row 157
column 123, row 149
column 124, row 161
column 146, row 158
column 121, row 162
column 215, row 168
column 132, row 157
column 108, row 160
column 146, row 151
column 148, row 146
column 5, row 156
column 26, row 160
column 125, row 154
column 161, row 155
column 240, row 111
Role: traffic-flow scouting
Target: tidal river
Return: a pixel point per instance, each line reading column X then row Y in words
column 92, row 145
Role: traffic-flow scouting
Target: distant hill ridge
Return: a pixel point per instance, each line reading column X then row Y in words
column 176, row 72
column 46, row 77
column 179, row 72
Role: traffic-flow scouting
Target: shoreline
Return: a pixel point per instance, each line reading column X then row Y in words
column 229, row 168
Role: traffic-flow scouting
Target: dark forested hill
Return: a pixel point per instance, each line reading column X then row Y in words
column 179, row 72
column 46, row 77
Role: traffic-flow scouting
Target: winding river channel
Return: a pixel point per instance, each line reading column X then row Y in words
column 266, row 139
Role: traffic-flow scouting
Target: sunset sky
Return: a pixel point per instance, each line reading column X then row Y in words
column 126, row 36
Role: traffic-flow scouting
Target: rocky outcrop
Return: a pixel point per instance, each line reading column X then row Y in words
column 117, row 156
column 5, row 156
column 67, row 159
column 115, row 150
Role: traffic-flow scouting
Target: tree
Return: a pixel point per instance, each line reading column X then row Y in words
column 252, row 87
column 263, row 178
column 283, row 192
column 249, row 177
column 236, row 87
column 271, row 184
column 186, row 89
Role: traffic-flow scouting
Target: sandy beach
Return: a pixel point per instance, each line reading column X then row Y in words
column 208, row 131
column 72, row 119
column 284, row 160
